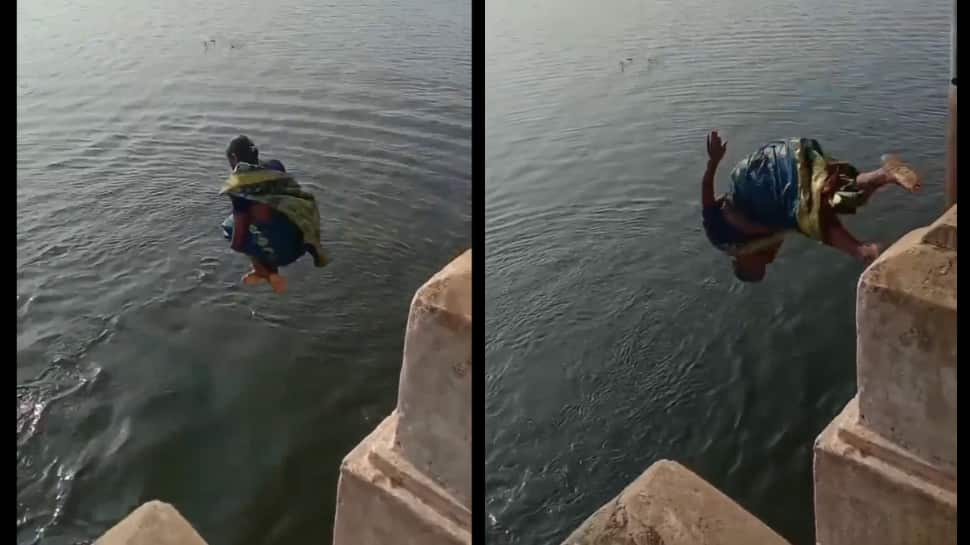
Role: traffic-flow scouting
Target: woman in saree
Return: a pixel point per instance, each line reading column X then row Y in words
column 273, row 221
column 789, row 186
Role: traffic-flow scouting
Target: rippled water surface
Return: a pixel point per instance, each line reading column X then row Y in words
column 143, row 369
column 615, row 335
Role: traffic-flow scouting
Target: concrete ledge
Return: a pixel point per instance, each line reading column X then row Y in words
column 670, row 505
column 381, row 499
column 943, row 232
column 154, row 523
column 402, row 473
column 409, row 481
column 870, row 492
column 434, row 427
column 906, row 314
column 852, row 432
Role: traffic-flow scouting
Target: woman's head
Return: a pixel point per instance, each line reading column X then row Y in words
column 242, row 150
column 749, row 269
column 753, row 267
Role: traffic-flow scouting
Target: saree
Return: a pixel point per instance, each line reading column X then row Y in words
column 782, row 185
column 282, row 193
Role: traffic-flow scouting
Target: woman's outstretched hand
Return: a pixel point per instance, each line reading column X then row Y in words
column 715, row 147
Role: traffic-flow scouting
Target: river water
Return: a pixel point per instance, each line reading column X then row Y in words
column 143, row 369
column 615, row 335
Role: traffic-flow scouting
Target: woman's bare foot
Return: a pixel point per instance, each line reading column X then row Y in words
column 903, row 175
column 278, row 283
column 252, row 278
column 869, row 252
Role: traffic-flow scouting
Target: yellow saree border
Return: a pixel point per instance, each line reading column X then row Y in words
column 812, row 174
column 300, row 206
column 240, row 179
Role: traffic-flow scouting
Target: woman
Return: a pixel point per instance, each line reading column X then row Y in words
column 273, row 221
column 789, row 185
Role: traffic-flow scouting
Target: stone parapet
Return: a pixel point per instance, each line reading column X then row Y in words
column 906, row 323
column 382, row 498
column 871, row 491
column 434, row 396
column 409, row 481
column 154, row 523
column 670, row 505
column 886, row 467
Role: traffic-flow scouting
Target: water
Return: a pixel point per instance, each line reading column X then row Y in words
column 615, row 335
column 143, row 370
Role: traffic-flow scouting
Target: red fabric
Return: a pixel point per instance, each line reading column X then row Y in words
column 261, row 213
column 240, row 229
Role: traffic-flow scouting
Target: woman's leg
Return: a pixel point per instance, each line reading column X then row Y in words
column 846, row 192
column 278, row 283
column 269, row 246
column 902, row 174
column 869, row 182
column 263, row 268
column 259, row 274
column 892, row 172
column 264, row 272
column 838, row 237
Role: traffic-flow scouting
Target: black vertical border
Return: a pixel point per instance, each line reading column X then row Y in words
column 478, row 272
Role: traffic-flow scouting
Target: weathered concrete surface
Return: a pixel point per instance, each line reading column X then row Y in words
column 409, row 482
column 434, row 399
column 869, row 491
column 886, row 467
column 154, row 523
column 906, row 318
column 381, row 498
column 670, row 505
column 943, row 232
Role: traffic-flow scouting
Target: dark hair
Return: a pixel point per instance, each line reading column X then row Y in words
column 244, row 150
column 747, row 276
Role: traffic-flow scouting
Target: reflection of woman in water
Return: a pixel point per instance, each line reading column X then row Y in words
column 273, row 221
column 789, row 185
